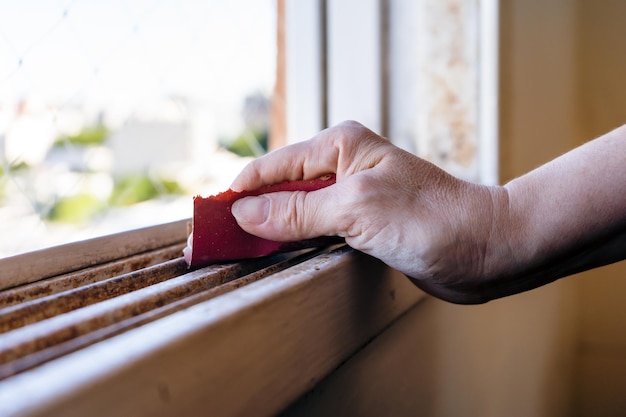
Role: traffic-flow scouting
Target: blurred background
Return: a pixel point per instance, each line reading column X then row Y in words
column 114, row 114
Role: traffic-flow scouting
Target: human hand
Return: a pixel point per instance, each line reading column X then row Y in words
column 388, row 203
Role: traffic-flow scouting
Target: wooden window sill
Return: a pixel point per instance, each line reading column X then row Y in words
column 237, row 339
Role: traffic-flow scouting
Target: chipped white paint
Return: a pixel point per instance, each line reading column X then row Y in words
column 443, row 83
column 448, row 84
column 423, row 73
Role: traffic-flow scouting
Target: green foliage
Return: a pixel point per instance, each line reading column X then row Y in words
column 248, row 144
column 88, row 136
column 82, row 207
column 132, row 189
column 5, row 173
column 3, row 186
column 170, row 187
column 18, row 166
column 78, row 208
column 140, row 187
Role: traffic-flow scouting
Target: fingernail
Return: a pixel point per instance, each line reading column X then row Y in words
column 251, row 210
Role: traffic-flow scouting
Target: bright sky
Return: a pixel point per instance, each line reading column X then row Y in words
column 71, row 60
column 124, row 53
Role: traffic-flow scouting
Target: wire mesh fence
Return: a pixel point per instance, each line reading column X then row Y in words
column 112, row 114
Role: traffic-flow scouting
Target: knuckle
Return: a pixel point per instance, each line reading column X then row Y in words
column 295, row 214
column 352, row 124
column 353, row 207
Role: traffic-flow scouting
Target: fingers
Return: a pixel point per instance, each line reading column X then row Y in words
column 346, row 150
column 304, row 160
column 343, row 149
column 288, row 216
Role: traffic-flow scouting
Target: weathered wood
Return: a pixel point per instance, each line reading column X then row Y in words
column 170, row 284
column 394, row 375
column 45, row 341
column 65, row 282
column 56, row 304
column 248, row 352
column 28, row 267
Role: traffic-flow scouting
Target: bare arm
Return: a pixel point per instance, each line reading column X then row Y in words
column 463, row 242
column 569, row 215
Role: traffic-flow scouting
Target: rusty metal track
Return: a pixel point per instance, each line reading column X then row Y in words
column 50, row 318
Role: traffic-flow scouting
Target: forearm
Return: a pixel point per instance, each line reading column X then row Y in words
column 570, row 214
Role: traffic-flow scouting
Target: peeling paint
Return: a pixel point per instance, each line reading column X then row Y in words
column 448, row 82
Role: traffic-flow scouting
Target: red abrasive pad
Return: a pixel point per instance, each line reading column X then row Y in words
column 216, row 235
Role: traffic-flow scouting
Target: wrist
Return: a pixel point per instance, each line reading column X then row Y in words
column 480, row 256
column 504, row 253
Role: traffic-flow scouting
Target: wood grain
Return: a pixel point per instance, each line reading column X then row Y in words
column 34, row 266
column 251, row 351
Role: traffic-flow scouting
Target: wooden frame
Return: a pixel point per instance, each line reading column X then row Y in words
column 37, row 265
column 246, row 346
column 305, row 72
column 355, row 48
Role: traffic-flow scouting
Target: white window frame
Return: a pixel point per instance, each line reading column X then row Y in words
column 356, row 65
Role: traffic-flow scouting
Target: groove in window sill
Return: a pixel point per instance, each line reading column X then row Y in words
column 239, row 344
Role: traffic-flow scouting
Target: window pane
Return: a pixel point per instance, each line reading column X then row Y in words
column 114, row 114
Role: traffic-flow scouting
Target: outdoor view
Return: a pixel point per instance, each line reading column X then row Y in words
column 113, row 114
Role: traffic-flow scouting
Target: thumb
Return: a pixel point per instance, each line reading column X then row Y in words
column 285, row 216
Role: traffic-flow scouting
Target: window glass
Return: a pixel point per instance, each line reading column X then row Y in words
column 114, row 114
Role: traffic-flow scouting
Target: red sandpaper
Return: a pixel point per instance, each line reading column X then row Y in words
column 216, row 235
